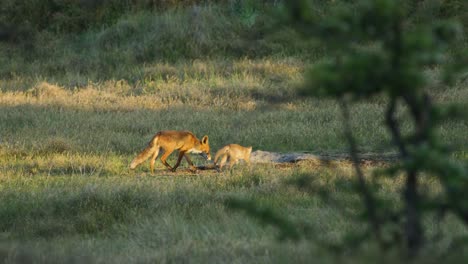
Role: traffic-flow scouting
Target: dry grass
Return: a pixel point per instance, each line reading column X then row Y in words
column 238, row 85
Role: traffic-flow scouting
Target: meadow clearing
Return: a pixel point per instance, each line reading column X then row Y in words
column 68, row 195
column 68, row 134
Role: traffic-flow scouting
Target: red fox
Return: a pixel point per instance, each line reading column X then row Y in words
column 234, row 152
column 168, row 141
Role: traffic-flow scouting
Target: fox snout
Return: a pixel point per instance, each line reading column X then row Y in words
column 206, row 156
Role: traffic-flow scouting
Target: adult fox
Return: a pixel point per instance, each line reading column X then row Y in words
column 168, row 141
column 234, row 152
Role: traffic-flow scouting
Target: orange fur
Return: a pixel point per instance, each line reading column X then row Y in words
column 169, row 141
column 234, row 153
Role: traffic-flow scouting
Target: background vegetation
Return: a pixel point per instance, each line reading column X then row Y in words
column 376, row 55
column 84, row 86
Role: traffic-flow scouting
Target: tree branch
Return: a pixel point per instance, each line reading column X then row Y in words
column 394, row 127
column 366, row 194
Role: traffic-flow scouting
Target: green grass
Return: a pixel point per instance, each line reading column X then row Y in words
column 250, row 102
column 143, row 218
column 67, row 193
column 123, row 49
column 77, row 108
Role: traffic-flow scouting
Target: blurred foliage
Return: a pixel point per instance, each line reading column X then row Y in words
column 23, row 17
column 378, row 49
column 109, row 38
column 71, row 16
column 378, row 52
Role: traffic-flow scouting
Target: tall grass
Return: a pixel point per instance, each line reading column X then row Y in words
column 137, row 35
column 122, row 49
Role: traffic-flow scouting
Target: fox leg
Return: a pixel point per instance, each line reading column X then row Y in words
column 164, row 157
column 232, row 162
column 223, row 161
column 179, row 159
column 190, row 162
column 153, row 159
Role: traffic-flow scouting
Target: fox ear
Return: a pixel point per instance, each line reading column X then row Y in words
column 205, row 140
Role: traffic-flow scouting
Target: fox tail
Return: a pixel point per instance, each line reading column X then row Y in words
column 146, row 153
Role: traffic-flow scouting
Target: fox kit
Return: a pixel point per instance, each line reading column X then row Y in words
column 234, row 152
column 170, row 140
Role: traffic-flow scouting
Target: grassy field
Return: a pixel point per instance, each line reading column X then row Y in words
column 167, row 218
column 67, row 193
column 77, row 109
